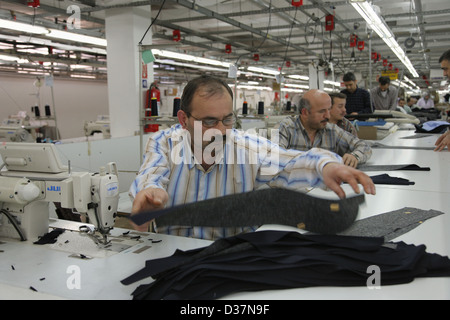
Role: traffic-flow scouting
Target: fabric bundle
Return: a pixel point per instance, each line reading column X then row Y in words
column 280, row 259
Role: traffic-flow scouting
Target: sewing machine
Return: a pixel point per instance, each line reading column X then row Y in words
column 15, row 130
column 36, row 177
column 101, row 125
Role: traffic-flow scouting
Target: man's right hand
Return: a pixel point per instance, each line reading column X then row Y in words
column 146, row 200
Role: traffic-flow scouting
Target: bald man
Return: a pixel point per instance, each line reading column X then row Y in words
column 312, row 129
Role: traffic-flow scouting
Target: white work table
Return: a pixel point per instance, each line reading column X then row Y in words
column 100, row 276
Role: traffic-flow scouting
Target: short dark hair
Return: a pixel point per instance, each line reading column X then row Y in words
column 212, row 86
column 349, row 76
column 338, row 95
column 384, row 80
column 445, row 56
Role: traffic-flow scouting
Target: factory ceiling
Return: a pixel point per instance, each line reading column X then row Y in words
column 274, row 34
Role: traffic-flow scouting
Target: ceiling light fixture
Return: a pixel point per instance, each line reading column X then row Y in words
column 76, row 37
column 17, row 26
column 376, row 23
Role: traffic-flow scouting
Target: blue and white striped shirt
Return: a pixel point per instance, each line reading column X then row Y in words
column 244, row 163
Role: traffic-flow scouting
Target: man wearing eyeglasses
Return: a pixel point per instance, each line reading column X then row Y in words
column 203, row 157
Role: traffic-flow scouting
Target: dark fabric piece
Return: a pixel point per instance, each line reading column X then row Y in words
column 439, row 129
column 387, row 179
column 279, row 259
column 50, row 237
column 412, row 167
column 265, row 206
column 390, row 225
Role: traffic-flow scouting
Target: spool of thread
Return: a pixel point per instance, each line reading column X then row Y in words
column 47, row 110
column 37, row 113
column 154, row 107
column 176, row 106
column 288, row 106
column 261, row 107
column 245, row 108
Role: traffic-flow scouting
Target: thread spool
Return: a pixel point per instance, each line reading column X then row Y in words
column 37, row 113
column 261, row 107
column 176, row 106
column 154, row 107
column 47, row 110
column 288, row 106
column 245, row 108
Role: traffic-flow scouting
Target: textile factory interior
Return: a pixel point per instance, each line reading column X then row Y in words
column 111, row 111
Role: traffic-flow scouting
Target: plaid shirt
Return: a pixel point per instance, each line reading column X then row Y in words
column 294, row 136
column 347, row 126
column 247, row 163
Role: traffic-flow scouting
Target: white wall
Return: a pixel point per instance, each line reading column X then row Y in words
column 75, row 100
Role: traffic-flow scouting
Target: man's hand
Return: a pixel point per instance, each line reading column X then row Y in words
column 146, row 200
column 442, row 142
column 334, row 174
column 350, row 160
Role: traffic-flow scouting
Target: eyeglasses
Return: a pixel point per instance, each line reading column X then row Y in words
column 210, row 123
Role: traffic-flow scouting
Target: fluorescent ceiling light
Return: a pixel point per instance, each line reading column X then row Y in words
column 190, row 58
column 11, row 58
column 17, row 26
column 301, row 86
column 76, row 37
column 377, row 24
column 298, row 77
column 262, row 70
column 189, row 65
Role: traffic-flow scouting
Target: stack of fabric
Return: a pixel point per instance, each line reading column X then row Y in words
column 280, row 259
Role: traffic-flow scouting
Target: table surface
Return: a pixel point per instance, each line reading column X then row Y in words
column 54, row 273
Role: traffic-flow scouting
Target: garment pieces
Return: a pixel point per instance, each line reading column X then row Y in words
column 259, row 207
column 387, row 179
column 266, row 260
column 392, row 224
column 411, row 167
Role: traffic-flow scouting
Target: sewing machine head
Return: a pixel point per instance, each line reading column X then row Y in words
column 35, row 177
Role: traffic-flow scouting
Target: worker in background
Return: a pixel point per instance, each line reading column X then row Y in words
column 425, row 102
column 384, row 96
column 358, row 99
column 338, row 112
column 402, row 106
column 190, row 162
column 311, row 129
column 411, row 102
column 444, row 140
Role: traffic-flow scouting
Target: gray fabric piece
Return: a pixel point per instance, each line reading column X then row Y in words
column 417, row 136
column 392, row 167
column 259, row 207
column 390, row 225
column 384, row 146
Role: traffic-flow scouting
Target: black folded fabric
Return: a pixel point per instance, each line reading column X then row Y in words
column 279, row 259
column 387, row 179
column 50, row 237
column 392, row 167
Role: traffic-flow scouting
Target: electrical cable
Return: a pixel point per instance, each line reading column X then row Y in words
column 14, row 223
column 267, row 33
column 153, row 21
column 289, row 40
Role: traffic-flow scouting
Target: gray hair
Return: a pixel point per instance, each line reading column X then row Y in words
column 304, row 104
